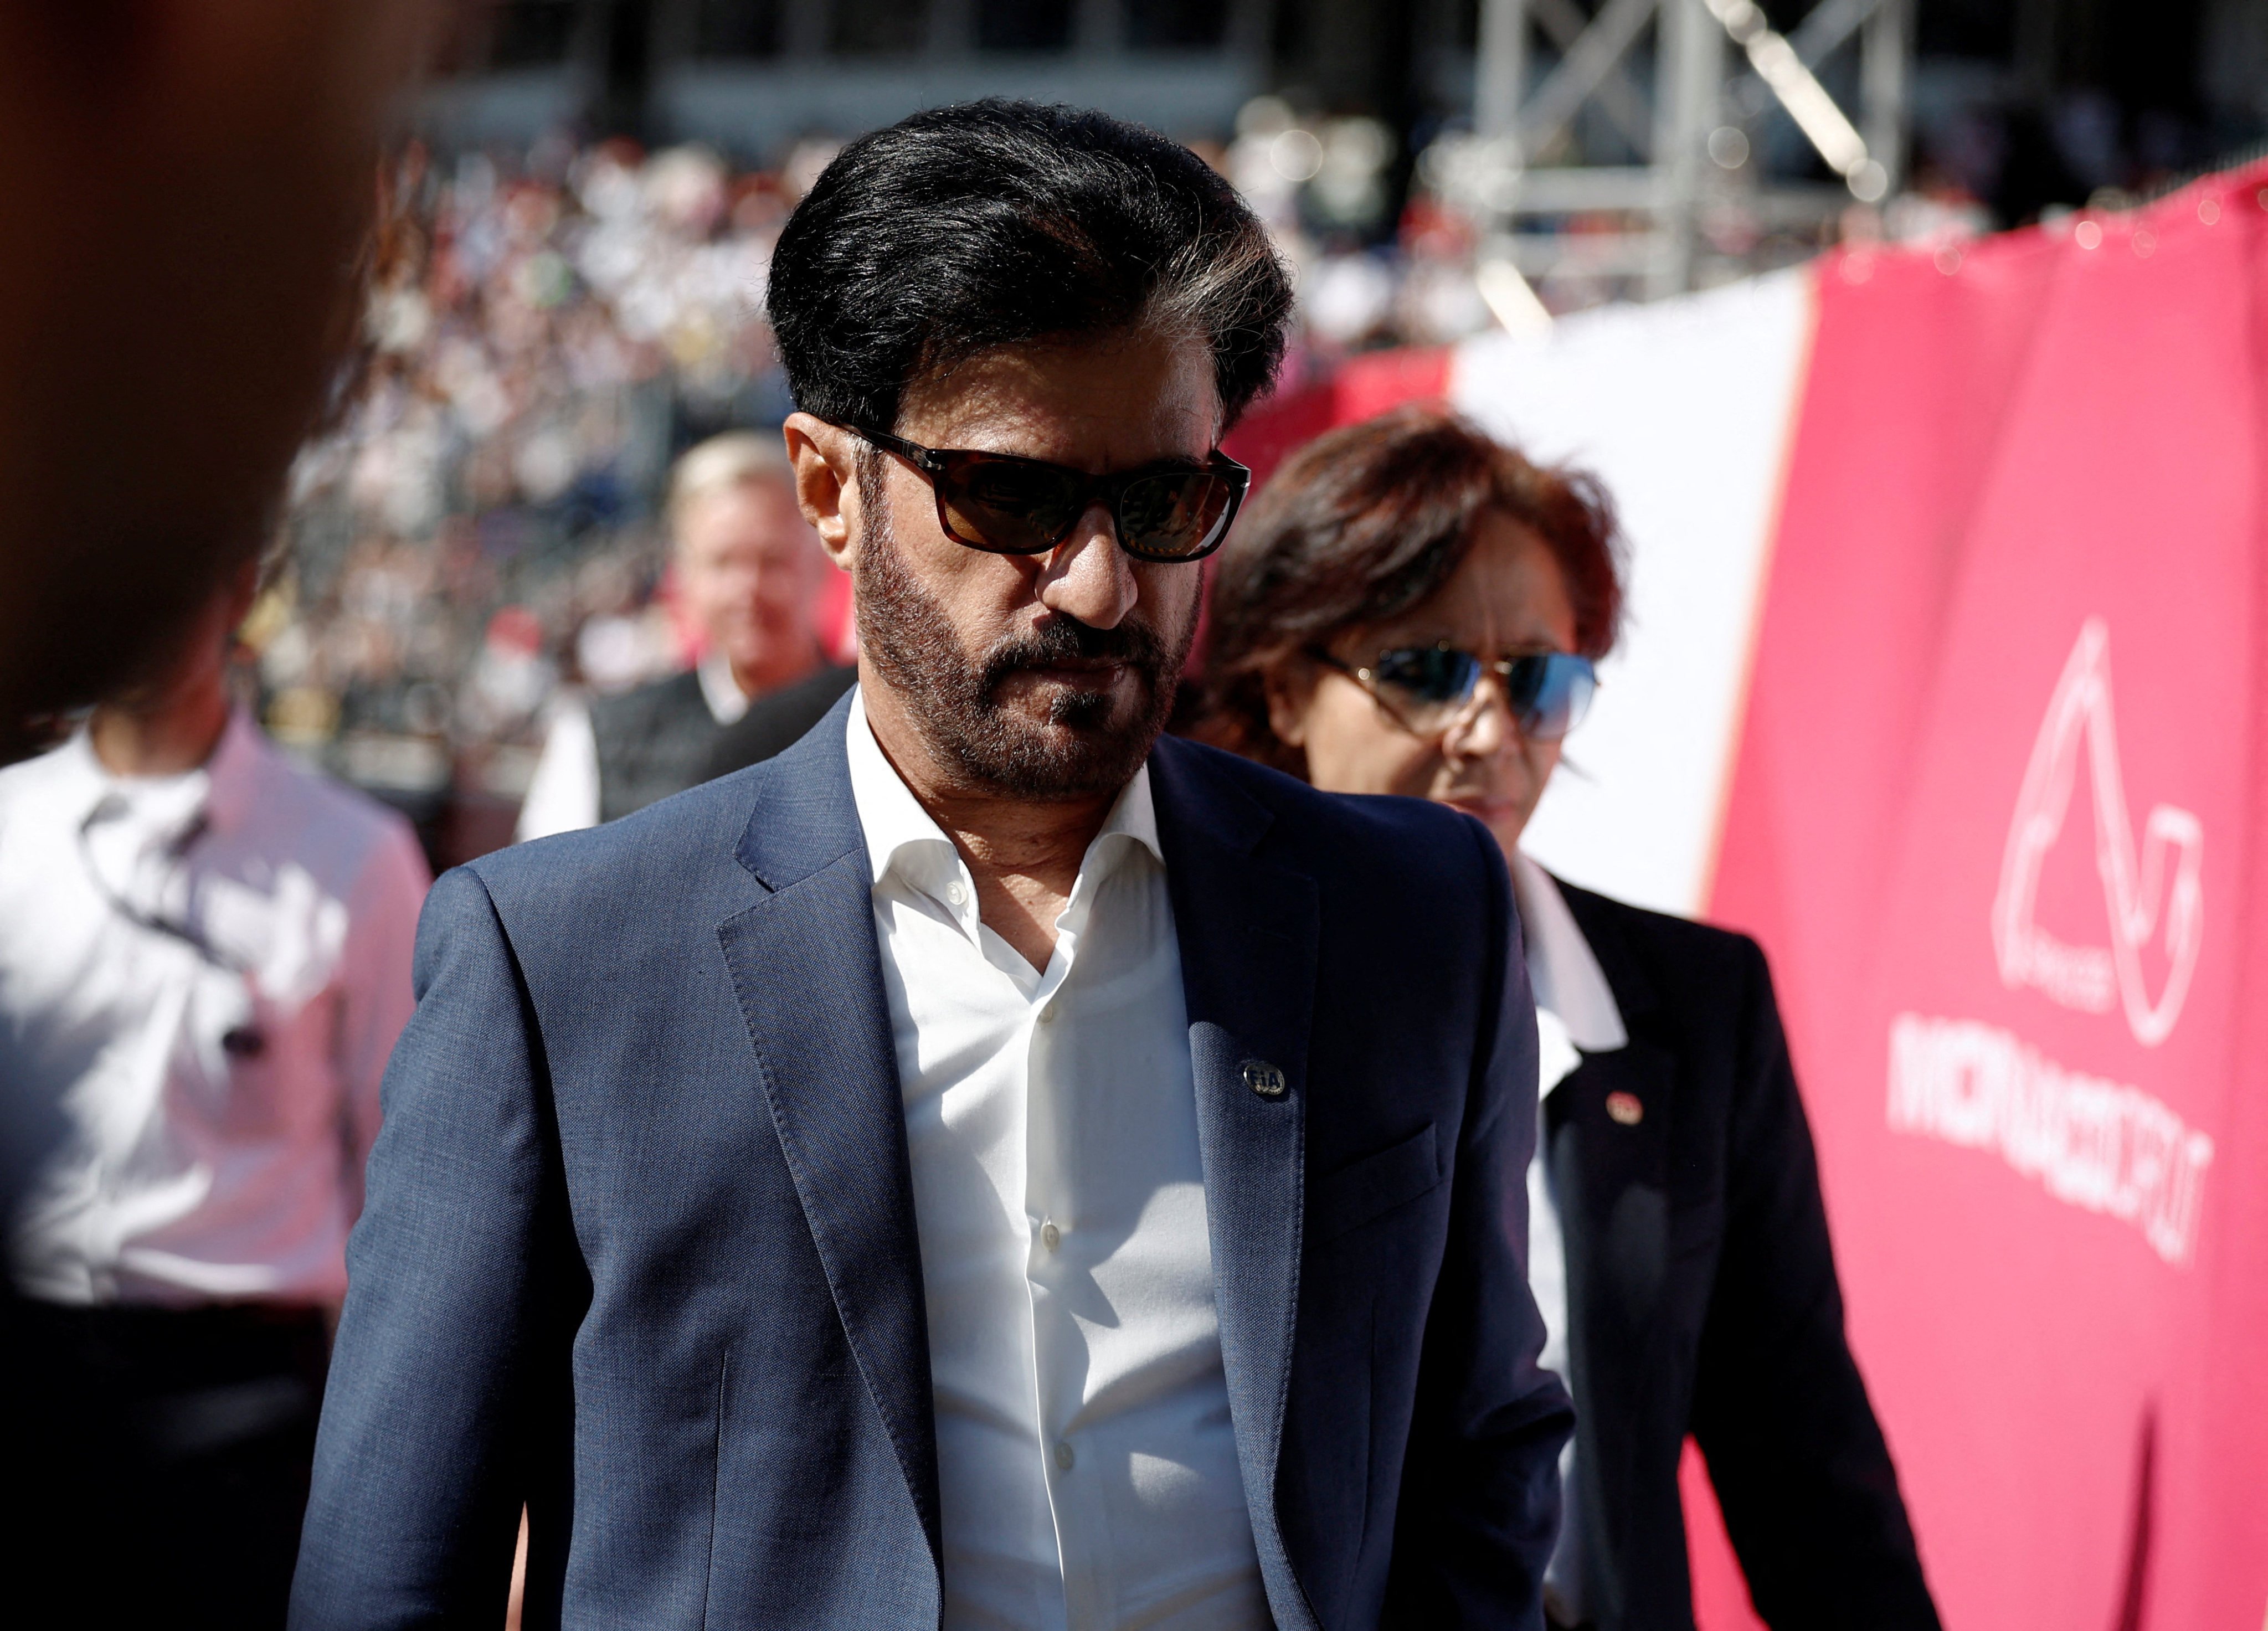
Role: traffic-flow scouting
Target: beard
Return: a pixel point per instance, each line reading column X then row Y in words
column 1091, row 741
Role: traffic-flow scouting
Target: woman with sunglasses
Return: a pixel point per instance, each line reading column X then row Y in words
column 1412, row 608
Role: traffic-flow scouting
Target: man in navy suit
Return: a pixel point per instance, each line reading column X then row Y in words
column 988, row 1166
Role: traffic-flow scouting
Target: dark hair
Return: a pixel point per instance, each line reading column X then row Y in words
column 1367, row 522
column 964, row 229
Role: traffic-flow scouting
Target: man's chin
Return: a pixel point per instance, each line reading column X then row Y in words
column 1077, row 735
column 1046, row 694
column 1073, row 744
column 1061, row 708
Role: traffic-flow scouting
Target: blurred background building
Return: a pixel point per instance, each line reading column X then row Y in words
column 570, row 293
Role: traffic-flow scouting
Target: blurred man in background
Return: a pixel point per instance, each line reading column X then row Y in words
column 204, row 960
column 749, row 570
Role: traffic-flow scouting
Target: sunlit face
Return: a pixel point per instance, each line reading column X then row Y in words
column 1040, row 675
column 1507, row 598
column 748, row 565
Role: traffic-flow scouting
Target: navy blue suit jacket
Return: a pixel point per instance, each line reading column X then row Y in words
column 639, row 1246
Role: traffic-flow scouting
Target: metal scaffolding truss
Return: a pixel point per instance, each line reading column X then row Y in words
column 1681, row 83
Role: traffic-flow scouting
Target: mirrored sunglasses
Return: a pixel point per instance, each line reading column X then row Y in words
column 1428, row 687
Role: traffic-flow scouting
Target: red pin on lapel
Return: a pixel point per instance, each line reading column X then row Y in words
column 1624, row 1109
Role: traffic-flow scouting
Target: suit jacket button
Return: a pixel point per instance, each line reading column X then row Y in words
column 1263, row 1078
column 1626, row 1109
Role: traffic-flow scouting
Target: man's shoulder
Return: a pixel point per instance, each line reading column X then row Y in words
column 41, row 800
column 29, row 779
column 652, row 863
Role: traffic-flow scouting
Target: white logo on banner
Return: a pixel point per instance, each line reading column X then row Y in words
column 2100, row 1145
column 2135, row 888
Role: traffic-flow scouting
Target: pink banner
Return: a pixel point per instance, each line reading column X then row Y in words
column 1996, row 815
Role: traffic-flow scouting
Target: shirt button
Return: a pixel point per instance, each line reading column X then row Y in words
column 1064, row 1457
column 1048, row 1015
column 957, row 892
column 1051, row 1237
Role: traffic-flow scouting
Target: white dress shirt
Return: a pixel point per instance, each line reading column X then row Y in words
column 206, row 972
column 1086, row 1464
column 1575, row 1014
column 562, row 795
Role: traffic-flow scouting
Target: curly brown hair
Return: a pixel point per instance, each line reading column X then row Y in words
column 1364, row 523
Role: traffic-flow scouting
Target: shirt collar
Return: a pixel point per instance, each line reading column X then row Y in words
column 79, row 781
column 723, row 694
column 1133, row 816
column 892, row 817
column 895, row 823
column 1562, row 968
column 221, row 789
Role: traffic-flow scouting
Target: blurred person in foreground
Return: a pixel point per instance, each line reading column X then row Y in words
column 187, row 185
column 1412, row 608
column 205, row 958
column 750, row 568
column 185, row 188
column 974, row 1168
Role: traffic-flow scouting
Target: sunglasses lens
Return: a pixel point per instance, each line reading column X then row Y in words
column 1431, row 683
column 1008, row 505
column 1550, row 691
column 1174, row 516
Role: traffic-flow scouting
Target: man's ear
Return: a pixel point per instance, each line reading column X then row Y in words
column 1288, row 689
column 826, row 460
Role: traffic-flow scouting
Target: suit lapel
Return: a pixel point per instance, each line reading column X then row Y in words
column 1608, row 1130
column 1608, row 1127
column 807, row 969
column 1248, row 930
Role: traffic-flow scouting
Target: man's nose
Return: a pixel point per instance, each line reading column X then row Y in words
column 768, row 582
column 1088, row 577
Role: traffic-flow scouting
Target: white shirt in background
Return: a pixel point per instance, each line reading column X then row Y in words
column 562, row 795
column 1575, row 1014
column 206, row 972
column 1086, row 1460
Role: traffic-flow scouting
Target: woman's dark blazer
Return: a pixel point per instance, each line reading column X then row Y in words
column 1702, row 1299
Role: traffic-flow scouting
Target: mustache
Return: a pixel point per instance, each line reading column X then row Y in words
column 1066, row 639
